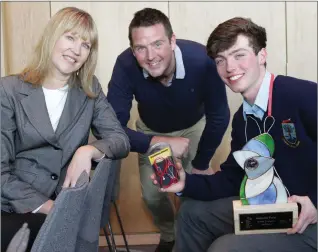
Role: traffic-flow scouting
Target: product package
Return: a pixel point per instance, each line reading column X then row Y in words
column 162, row 162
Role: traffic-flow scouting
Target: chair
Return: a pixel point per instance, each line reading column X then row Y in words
column 96, row 199
column 59, row 230
column 113, row 191
column 75, row 220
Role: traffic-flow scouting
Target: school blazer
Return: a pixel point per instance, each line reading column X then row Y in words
column 34, row 158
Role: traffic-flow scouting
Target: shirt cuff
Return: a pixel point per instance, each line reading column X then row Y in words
column 36, row 210
column 99, row 159
column 199, row 165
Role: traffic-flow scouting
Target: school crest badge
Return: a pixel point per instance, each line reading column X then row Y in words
column 289, row 133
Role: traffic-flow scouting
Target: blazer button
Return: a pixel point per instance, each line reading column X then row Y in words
column 54, row 176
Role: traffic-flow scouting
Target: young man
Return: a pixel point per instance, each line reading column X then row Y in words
column 238, row 47
column 181, row 101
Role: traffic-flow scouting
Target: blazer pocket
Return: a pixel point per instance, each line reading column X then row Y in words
column 22, row 174
column 25, row 176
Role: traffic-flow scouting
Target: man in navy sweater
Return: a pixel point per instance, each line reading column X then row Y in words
column 181, row 101
column 238, row 47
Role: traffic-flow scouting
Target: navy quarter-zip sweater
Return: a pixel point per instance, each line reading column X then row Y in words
column 293, row 99
column 179, row 106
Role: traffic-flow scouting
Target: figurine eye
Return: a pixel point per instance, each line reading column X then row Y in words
column 251, row 164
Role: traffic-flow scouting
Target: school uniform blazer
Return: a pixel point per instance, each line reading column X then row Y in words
column 34, row 158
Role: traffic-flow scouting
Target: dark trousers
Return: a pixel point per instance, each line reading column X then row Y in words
column 208, row 227
column 12, row 222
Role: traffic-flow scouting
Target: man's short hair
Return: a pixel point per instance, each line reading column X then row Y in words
column 225, row 35
column 149, row 17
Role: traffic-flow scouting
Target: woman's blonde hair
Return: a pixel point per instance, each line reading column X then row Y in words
column 65, row 20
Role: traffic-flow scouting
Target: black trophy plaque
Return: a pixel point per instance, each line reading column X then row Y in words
column 261, row 219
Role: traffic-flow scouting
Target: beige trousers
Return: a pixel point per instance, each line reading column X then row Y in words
column 157, row 202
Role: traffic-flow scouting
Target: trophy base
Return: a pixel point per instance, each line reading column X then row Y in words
column 264, row 219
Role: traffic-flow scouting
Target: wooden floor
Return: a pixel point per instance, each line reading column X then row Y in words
column 141, row 248
column 136, row 242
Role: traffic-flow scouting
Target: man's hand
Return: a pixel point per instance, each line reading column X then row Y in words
column 46, row 207
column 208, row 171
column 177, row 187
column 81, row 161
column 308, row 214
column 179, row 145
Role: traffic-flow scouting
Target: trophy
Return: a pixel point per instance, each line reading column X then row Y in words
column 162, row 162
column 263, row 206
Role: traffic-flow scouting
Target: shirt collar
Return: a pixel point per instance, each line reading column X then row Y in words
column 180, row 70
column 259, row 107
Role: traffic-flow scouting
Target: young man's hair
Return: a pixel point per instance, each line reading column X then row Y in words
column 149, row 17
column 225, row 35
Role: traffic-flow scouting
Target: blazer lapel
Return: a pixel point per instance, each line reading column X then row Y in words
column 74, row 104
column 34, row 107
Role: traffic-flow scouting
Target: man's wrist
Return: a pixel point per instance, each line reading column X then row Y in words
column 154, row 140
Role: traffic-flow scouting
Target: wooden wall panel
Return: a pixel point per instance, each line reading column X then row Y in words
column 302, row 40
column 200, row 18
column 3, row 68
column 24, row 23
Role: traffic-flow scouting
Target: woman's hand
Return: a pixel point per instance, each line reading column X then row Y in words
column 81, row 161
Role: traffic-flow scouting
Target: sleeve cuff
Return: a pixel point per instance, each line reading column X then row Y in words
column 99, row 159
column 36, row 210
column 199, row 165
column 190, row 185
column 146, row 145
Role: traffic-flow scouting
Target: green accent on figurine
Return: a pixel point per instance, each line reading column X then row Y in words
column 242, row 191
column 268, row 140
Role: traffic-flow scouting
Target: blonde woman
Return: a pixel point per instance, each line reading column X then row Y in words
column 47, row 113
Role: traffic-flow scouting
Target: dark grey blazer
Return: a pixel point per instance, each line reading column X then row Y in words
column 34, row 158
